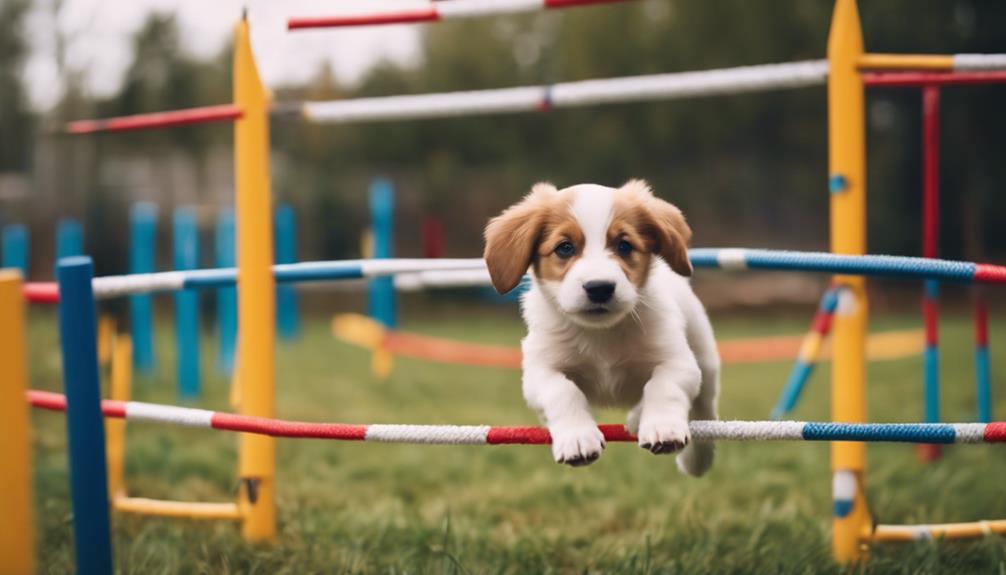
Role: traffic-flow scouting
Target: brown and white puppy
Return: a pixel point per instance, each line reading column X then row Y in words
column 612, row 319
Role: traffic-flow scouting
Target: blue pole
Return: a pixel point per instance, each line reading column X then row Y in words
column 381, row 301
column 287, row 313
column 85, row 425
column 186, row 248
column 931, row 353
column 15, row 248
column 227, row 297
column 142, row 260
column 69, row 239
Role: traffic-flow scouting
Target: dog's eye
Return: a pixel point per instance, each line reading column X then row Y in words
column 565, row 250
column 624, row 248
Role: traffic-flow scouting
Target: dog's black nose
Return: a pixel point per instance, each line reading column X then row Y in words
column 599, row 291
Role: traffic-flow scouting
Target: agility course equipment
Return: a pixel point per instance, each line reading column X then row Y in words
column 842, row 71
column 495, row 435
column 17, row 545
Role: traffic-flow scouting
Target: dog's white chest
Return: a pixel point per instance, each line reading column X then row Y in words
column 611, row 375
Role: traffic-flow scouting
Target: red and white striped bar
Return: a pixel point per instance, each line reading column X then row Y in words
column 493, row 435
column 738, row 80
column 205, row 115
column 437, row 12
column 919, row 79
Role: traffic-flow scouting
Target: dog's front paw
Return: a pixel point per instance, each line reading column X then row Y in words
column 664, row 434
column 576, row 445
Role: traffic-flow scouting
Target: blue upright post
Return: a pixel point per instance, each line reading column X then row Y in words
column 15, row 248
column 69, row 239
column 186, row 248
column 85, row 425
column 142, row 260
column 381, row 303
column 287, row 313
column 227, row 297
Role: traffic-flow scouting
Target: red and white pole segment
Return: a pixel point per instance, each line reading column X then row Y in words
column 517, row 435
column 437, row 12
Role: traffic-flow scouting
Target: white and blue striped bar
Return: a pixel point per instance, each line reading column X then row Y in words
column 471, row 271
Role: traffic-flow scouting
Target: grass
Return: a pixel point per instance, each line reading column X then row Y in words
column 765, row 508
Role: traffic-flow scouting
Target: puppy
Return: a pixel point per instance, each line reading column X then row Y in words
column 611, row 319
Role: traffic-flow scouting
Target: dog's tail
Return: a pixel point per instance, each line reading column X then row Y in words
column 697, row 458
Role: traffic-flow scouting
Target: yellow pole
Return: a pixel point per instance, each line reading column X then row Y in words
column 17, row 527
column 115, row 429
column 256, row 291
column 847, row 182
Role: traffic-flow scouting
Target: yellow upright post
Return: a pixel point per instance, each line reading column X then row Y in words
column 847, row 183
column 115, row 429
column 255, row 367
column 17, row 528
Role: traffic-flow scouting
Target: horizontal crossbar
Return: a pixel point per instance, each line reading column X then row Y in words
column 716, row 258
column 492, row 435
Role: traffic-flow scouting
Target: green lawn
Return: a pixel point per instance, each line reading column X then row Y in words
column 350, row 507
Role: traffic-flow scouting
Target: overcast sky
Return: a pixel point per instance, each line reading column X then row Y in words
column 100, row 30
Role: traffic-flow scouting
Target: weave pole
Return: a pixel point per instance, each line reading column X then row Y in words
column 142, row 260
column 382, row 298
column 968, row 433
column 983, row 370
column 438, row 12
column 930, row 249
column 69, row 238
column 15, row 248
column 227, row 297
column 17, row 525
column 185, row 234
column 85, row 426
column 287, row 302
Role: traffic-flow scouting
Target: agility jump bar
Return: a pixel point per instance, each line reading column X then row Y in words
column 717, row 258
column 492, row 435
column 222, row 113
column 670, row 86
column 438, row 12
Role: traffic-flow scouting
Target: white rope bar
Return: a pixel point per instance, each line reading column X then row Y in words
column 747, row 430
column 428, row 434
column 979, row 62
column 690, row 84
column 372, row 268
column 114, row 286
column 442, row 278
column 571, row 94
column 185, row 416
column 477, row 8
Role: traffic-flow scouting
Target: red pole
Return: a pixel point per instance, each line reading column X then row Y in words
column 930, row 249
column 224, row 113
column 932, row 79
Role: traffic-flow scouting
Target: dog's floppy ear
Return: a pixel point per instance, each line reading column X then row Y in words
column 668, row 228
column 512, row 237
